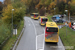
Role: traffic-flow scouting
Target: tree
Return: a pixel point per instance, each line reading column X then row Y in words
column 6, row 2
column 61, row 7
column 18, row 13
column 72, row 8
column 51, row 7
column 1, row 7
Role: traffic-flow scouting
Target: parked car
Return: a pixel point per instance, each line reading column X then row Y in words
column 55, row 16
column 60, row 21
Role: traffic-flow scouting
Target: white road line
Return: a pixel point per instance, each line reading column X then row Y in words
column 28, row 21
column 44, row 39
column 40, row 35
column 29, row 24
column 35, row 32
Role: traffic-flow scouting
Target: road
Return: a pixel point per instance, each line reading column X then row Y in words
column 33, row 37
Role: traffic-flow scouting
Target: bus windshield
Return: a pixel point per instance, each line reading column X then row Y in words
column 32, row 14
column 36, row 15
column 51, row 29
column 44, row 20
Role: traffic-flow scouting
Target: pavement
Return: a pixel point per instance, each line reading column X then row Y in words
column 33, row 37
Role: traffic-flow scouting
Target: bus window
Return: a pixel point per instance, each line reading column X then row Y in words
column 50, row 29
column 32, row 14
column 45, row 20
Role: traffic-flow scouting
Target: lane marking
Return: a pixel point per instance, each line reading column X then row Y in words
column 44, row 39
column 40, row 35
column 40, row 49
column 29, row 24
column 35, row 32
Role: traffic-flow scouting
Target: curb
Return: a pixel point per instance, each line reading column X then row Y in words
column 18, row 39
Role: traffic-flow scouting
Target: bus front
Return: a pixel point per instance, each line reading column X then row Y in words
column 36, row 16
column 43, row 21
column 51, row 34
column 32, row 16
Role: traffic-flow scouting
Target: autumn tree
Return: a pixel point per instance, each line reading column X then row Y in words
column 1, row 7
column 6, row 2
column 51, row 7
column 18, row 13
column 72, row 8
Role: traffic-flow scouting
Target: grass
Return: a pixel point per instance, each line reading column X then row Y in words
column 12, row 39
column 49, row 17
column 68, row 40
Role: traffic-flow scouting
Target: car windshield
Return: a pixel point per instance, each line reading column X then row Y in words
column 51, row 29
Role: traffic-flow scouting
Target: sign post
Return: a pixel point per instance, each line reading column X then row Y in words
column 66, row 28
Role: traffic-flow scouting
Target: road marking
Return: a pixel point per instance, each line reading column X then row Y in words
column 35, row 32
column 44, row 39
column 40, row 35
column 28, row 21
column 40, row 49
column 29, row 24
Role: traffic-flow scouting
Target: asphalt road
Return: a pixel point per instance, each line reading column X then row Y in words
column 33, row 37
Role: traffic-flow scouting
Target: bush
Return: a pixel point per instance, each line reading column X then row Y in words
column 4, row 31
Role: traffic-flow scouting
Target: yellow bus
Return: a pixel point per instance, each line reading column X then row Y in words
column 51, row 32
column 32, row 15
column 43, row 20
column 35, row 15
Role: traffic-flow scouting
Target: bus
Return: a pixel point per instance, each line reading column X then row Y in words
column 43, row 20
column 35, row 15
column 51, row 32
column 32, row 15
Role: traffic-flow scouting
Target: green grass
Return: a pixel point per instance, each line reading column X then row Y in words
column 49, row 17
column 11, row 40
column 68, row 40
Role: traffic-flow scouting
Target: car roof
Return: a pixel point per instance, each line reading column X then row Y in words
column 56, row 16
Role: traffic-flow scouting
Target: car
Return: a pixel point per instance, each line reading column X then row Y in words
column 57, row 16
column 60, row 21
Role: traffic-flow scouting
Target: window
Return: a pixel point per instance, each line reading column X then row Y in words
column 50, row 29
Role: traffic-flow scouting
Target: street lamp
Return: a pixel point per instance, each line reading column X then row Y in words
column 12, row 21
column 66, row 19
column 36, row 9
column 45, row 10
column 54, row 10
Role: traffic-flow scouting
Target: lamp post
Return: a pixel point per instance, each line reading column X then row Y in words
column 45, row 10
column 66, row 19
column 54, row 11
column 36, row 9
column 12, row 22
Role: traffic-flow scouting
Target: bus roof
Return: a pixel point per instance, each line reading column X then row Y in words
column 34, row 13
column 51, row 24
column 43, row 17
